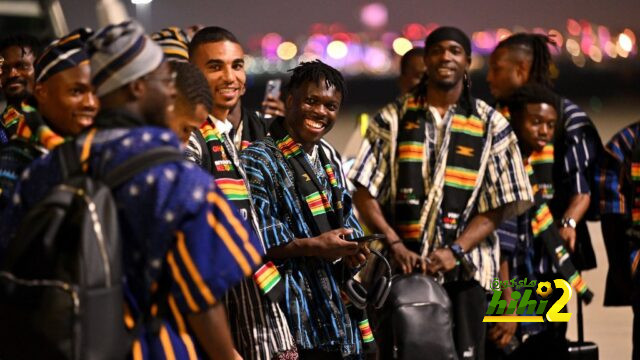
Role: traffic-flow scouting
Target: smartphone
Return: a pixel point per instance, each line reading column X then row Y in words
column 272, row 90
column 369, row 238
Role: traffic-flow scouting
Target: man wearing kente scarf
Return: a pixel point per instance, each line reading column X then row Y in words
column 20, row 53
column 618, row 178
column 530, row 245
column 258, row 324
column 525, row 58
column 62, row 105
column 437, row 172
column 305, row 214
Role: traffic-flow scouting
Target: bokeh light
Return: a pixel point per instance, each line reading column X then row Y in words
column 402, row 45
column 625, row 42
column 595, row 54
column 374, row 15
column 287, row 50
column 337, row 49
column 573, row 27
column 573, row 47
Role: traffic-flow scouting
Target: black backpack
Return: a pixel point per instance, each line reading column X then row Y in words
column 416, row 321
column 61, row 291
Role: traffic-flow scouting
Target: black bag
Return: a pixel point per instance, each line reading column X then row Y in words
column 61, row 279
column 416, row 321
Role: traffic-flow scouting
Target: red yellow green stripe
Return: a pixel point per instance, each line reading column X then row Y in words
column 635, row 216
column 409, row 230
column 318, row 203
column 635, row 171
column 578, row 283
column 11, row 117
column 544, row 156
column 267, row 277
column 209, row 133
column 412, row 104
column 234, row 189
column 467, row 125
column 331, row 175
column 460, row 178
column 244, row 144
column 365, row 331
column 288, row 147
column 542, row 220
column 410, row 151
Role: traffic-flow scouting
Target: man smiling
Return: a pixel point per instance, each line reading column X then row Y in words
column 19, row 53
column 65, row 103
column 258, row 324
column 437, row 172
column 305, row 214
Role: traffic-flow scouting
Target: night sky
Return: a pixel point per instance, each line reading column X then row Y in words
column 292, row 18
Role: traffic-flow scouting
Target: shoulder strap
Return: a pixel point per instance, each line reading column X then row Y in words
column 69, row 160
column 207, row 162
column 138, row 163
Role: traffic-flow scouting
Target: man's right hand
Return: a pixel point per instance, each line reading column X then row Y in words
column 331, row 246
column 406, row 259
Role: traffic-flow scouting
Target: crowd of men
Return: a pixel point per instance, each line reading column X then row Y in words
column 246, row 243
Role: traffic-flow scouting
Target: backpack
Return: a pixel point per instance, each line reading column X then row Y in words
column 61, row 293
column 416, row 321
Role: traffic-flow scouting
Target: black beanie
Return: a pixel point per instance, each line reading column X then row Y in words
column 448, row 33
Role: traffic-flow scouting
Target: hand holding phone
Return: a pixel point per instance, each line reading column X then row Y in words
column 368, row 238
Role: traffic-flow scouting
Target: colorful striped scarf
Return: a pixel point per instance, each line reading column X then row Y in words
column 327, row 216
column 467, row 134
column 539, row 169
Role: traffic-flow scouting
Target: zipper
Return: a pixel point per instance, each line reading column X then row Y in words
column 51, row 283
column 97, row 229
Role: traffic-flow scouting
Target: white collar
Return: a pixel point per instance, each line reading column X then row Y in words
column 224, row 126
column 314, row 154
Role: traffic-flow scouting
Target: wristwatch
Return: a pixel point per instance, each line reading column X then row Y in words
column 457, row 251
column 569, row 222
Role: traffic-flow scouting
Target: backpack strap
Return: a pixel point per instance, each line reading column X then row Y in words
column 69, row 160
column 138, row 163
column 206, row 161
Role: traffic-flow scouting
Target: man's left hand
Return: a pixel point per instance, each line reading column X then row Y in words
column 568, row 234
column 273, row 106
column 441, row 260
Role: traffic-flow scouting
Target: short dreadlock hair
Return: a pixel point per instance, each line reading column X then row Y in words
column 23, row 41
column 192, row 85
column 316, row 71
column 536, row 48
column 210, row 34
column 530, row 93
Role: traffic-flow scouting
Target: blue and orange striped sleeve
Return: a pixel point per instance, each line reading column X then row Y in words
column 212, row 252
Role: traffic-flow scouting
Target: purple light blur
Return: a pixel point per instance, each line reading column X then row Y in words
column 374, row 15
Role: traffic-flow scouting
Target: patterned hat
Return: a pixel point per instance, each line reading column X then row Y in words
column 174, row 42
column 62, row 54
column 120, row 54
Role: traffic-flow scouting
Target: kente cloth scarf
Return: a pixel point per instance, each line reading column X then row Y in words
column 463, row 162
column 542, row 224
column 28, row 125
column 231, row 180
column 326, row 216
column 634, row 231
column 224, row 169
column 10, row 119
